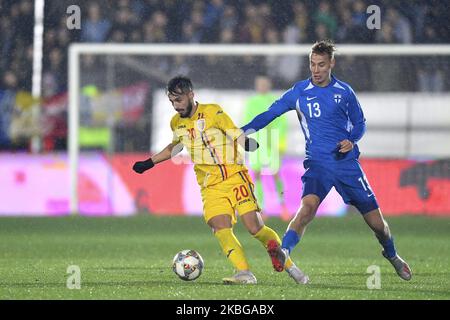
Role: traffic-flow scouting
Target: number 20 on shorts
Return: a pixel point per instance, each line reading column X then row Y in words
column 240, row 192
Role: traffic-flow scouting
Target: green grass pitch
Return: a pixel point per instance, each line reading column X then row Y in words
column 130, row 258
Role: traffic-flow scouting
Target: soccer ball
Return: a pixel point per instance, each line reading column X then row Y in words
column 188, row 265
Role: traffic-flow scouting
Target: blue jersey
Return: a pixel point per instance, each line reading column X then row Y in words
column 327, row 115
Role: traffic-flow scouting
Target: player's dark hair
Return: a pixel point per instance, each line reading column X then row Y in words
column 324, row 47
column 179, row 85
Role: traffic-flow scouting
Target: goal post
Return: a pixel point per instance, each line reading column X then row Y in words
column 76, row 50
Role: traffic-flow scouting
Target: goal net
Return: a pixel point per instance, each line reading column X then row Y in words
column 119, row 113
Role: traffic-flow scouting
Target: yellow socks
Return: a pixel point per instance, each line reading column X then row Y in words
column 232, row 248
column 266, row 234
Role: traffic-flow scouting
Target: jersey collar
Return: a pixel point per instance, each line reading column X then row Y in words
column 196, row 109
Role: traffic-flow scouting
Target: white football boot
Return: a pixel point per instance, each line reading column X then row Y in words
column 298, row 275
column 242, row 277
column 400, row 266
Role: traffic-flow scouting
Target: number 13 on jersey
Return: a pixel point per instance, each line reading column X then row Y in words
column 314, row 109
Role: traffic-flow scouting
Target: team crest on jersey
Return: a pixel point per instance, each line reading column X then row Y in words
column 201, row 125
column 337, row 98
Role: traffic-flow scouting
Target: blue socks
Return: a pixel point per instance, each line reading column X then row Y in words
column 389, row 247
column 290, row 240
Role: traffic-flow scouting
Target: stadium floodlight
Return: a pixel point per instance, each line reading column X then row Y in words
column 78, row 49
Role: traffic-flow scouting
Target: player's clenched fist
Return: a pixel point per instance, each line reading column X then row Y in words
column 251, row 144
column 142, row 166
column 345, row 146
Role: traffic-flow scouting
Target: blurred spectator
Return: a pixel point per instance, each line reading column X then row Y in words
column 387, row 34
column 324, row 17
column 193, row 29
column 437, row 17
column 53, row 76
column 211, row 19
column 229, row 19
column 25, row 20
column 297, row 30
column 16, row 121
column 159, row 20
column 359, row 32
column 253, row 29
column 7, row 101
column 124, row 23
column 386, row 70
column 6, row 42
column 283, row 69
column 359, row 15
column 431, row 35
column 401, row 26
column 227, row 36
column 430, row 77
column 345, row 29
column 95, row 28
column 218, row 21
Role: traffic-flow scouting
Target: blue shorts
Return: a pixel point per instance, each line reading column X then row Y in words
column 347, row 177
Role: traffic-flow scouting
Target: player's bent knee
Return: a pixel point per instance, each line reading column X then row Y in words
column 254, row 230
column 220, row 222
column 309, row 205
column 253, row 222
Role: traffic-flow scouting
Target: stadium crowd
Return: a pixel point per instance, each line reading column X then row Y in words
column 213, row 21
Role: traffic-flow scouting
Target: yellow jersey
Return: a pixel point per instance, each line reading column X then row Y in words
column 210, row 138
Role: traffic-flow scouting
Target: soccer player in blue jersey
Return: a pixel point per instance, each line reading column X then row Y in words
column 332, row 122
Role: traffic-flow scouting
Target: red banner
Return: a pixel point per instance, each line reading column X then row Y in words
column 410, row 187
column 401, row 186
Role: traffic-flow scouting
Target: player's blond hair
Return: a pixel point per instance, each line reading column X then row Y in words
column 324, row 47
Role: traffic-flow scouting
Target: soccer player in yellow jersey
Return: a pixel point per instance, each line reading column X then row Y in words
column 212, row 139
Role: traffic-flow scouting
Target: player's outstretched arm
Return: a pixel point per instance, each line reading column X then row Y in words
column 282, row 105
column 168, row 152
column 226, row 124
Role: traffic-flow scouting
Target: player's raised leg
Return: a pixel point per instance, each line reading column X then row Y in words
column 232, row 248
column 316, row 185
column 353, row 186
column 255, row 225
column 270, row 240
column 376, row 222
column 296, row 228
